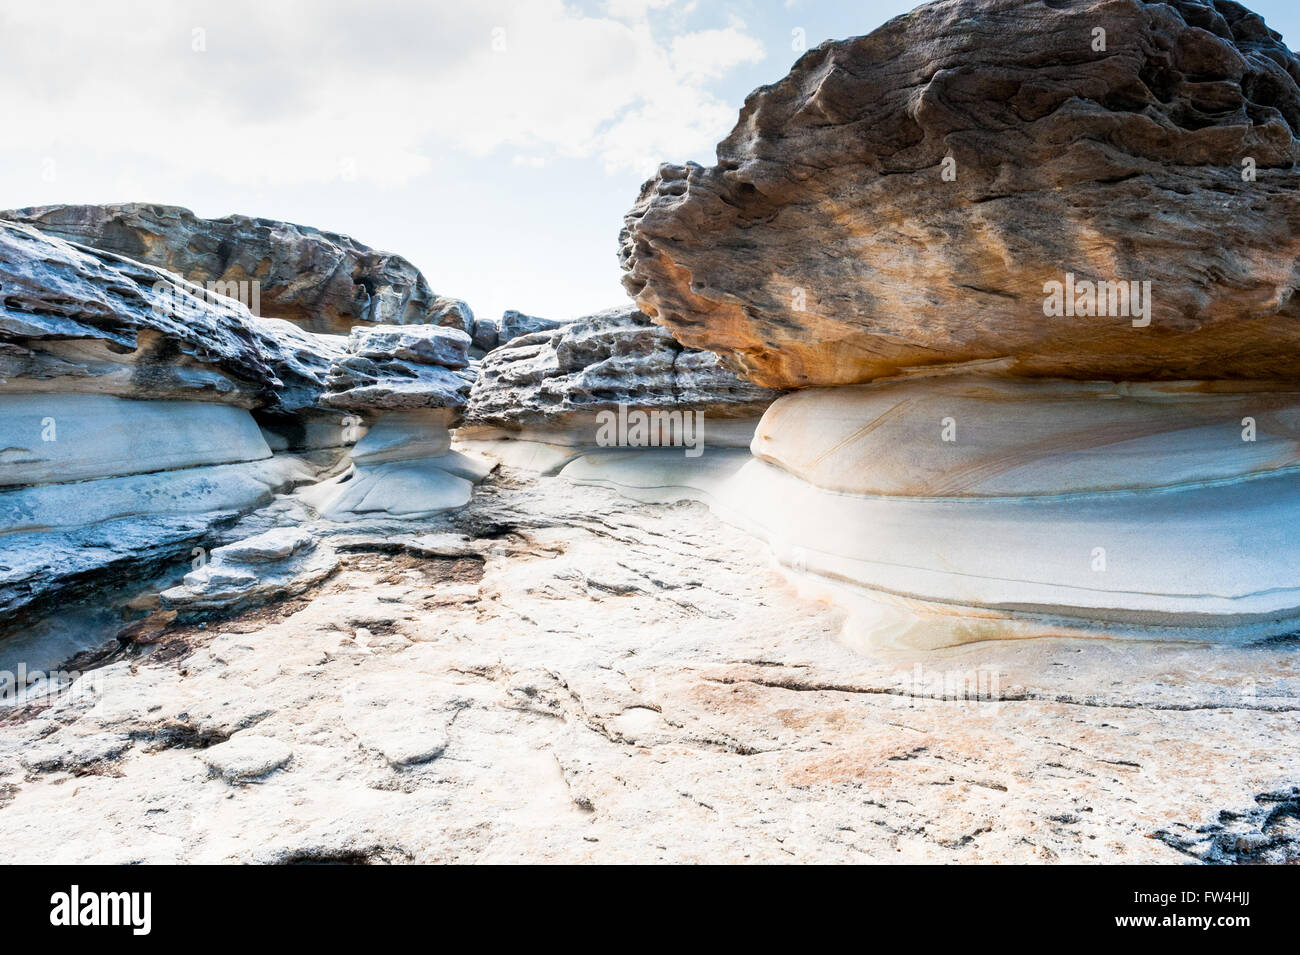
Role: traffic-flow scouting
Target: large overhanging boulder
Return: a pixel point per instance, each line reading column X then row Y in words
column 323, row 281
column 908, row 198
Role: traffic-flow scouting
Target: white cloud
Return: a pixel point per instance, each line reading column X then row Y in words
column 710, row 54
column 313, row 92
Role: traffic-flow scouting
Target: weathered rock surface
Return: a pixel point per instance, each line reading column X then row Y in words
column 73, row 319
column 828, row 247
column 556, row 380
column 52, row 438
column 953, row 510
column 77, row 320
column 415, row 380
column 516, row 324
column 584, row 678
column 126, row 438
column 276, row 563
column 60, row 540
column 390, row 368
column 322, row 281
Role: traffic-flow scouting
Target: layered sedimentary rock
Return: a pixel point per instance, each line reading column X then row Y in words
column 126, row 431
column 904, row 199
column 276, row 563
column 963, row 221
column 563, row 388
column 322, row 281
column 970, row 508
column 412, row 382
column 75, row 319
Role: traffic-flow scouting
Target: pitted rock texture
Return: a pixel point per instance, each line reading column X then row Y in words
column 75, row 319
column 323, row 281
column 599, row 362
column 828, row 247
column 392, row 368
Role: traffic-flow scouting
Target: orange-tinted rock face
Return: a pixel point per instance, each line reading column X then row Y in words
column 908, row 198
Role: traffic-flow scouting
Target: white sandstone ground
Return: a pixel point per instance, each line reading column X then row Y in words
column 557, row 673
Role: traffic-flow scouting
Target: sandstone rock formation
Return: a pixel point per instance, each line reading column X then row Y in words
column 902, row 200
column 579, row 664
column 79, row 320
column 279, row 562
column 125, row 428
column 322, row 281
column 415, row 380
column 394, row 367
column 551, row 386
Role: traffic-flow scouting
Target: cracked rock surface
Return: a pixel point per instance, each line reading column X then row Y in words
column 556, row 673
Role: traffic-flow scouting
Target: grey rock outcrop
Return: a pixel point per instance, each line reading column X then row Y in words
column 411, row 382
column 387, row 368
column 125, row 429
column 76, row 319
column 515, row 324
column 599, row 362
column 323, row 281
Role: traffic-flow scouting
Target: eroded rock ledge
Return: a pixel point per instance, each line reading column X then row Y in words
column 412, row 382
column 826, row 247
column 127, row 428
column 322, row 281
column 550, row 386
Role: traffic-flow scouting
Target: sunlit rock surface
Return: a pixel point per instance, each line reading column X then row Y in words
column 900, row 200
column 558, row 673
column 323, row 281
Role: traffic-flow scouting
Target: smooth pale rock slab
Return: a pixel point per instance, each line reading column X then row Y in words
column 403, row 435
column 246, row 757
column 974, row 437
column 404, row 723
column 226, row 487
column 1059, row 508
column 555, row 754
column 60, row 539
column 323, row 281
column 97, row 436
column 273, row 545
column 901, row 200
column 408, row 489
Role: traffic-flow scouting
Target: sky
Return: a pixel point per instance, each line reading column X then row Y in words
column 496, row 144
